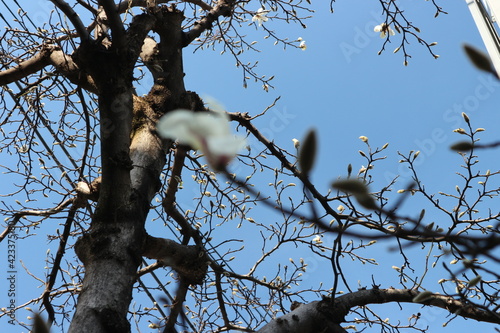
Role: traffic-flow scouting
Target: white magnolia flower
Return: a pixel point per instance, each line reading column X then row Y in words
column 260, row 16
column 318, row 239
column 208, row 132
column 384, row 29
column 303, row 45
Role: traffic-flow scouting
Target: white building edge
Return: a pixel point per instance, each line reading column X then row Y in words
column 486, row 14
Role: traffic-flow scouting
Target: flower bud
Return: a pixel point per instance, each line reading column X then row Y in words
column 466, row 117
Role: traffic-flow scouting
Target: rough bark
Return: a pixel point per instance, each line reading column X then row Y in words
column 49, row 55
column 327, row 315
column 190, row 262
column 132, row 159
column 111, row 250
column 304, row 319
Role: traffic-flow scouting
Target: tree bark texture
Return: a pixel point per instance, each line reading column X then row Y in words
column 132, row 158
column 327, row 315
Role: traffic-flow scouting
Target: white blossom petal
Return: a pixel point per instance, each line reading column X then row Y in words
column 260, row 16
column 384, row 29
column 206, row 131
column 175, row 125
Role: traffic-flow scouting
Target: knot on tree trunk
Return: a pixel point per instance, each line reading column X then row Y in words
column 86, row 191
column 189, row 261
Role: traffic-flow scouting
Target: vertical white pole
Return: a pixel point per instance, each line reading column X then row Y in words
column 484, row 22
column 494, row 7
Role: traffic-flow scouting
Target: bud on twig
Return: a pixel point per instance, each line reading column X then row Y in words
column 307, row 153
column 480, row 59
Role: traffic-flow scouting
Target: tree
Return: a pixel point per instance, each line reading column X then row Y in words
column 122, row 174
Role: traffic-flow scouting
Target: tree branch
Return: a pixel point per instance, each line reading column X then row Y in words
column 74, row 18
column 200, row 3
column 334, row 312
column 125, row 5
column 65, row 65
column 177, row 306
column 245, row 121
column 306, row 318
column 115, row 24
column 28, row 67
column 49, row 55
column 380, row 296
column 57, row 261
column 188, row 260
column 137, row 32
column 87, row 6
column 19, row 215
column 223, row 8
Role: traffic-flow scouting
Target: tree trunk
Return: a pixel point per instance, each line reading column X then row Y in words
column 133, row 158
column 111, row 250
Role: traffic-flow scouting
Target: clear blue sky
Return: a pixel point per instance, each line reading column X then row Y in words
column 344, row 95
column 347, row 94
